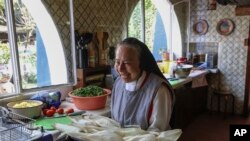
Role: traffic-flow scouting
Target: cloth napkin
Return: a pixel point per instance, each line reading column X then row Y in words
column 198, row 78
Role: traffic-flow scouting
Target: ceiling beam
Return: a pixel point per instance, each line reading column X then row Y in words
column 242, row 10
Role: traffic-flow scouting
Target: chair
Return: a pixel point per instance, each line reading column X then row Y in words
column 223, row 92
column 226, row 95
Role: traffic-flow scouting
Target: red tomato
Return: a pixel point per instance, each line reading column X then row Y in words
column 53, row 108
column 70, row 110
column 60, row 111
column 45, row 111
column 50, row 113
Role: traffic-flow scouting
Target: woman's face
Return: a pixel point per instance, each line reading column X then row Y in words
column 127, row 63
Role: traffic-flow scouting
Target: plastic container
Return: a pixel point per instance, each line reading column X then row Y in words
column 166, row 66
column 90, row 103
column 172, row 66
column 211, row 60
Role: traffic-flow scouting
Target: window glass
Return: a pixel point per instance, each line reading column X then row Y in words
column 155, row 35
column 6, row 81
column 38, row 46
column 158, row 26
column 26, row 44
column 135, row 22
column 150, row 22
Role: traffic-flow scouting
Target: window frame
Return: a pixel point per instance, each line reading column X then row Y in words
column 12, row 38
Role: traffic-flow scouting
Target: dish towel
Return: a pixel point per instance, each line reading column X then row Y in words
column 199, row 80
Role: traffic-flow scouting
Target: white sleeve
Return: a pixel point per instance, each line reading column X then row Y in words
column 161, row 112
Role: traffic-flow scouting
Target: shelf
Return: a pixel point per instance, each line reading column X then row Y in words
column 92, row 76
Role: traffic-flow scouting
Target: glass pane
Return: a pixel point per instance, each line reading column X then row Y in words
column 155, row 33
column 151, row 27
column 6, row 82
column 41, row 54
column 135, row 22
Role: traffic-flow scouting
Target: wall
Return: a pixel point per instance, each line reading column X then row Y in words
column 90, row 16
column 102, row 15
column 231, row 51
column 181, row 9
column 112, row 16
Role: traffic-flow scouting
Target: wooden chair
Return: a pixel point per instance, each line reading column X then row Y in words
column 226, row 95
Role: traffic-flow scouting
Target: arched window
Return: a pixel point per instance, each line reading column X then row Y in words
column 161, row 30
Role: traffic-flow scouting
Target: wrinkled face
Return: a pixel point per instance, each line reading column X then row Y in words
column 127, row 63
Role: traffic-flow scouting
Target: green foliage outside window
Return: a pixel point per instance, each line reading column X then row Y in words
column 150, row 18
column 4, row 53
column 27, row 54
column 134, row 27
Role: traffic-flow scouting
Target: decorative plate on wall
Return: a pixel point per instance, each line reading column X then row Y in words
column 225, row 27
column 200, row 27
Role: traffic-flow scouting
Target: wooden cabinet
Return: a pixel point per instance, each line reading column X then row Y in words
column 189, row 103
column 92, row 76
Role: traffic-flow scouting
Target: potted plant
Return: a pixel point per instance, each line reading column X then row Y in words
column 90, row 97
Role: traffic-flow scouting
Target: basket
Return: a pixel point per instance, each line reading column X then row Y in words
column 90, row 103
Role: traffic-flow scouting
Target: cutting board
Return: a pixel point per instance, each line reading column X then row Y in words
column 48, row 123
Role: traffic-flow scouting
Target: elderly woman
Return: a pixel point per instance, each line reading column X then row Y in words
column 141, row 95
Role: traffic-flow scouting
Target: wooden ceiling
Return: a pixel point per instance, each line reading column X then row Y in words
column 235, row 2
column 242, row 6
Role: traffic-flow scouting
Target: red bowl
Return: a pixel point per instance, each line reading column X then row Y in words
column 90, row 103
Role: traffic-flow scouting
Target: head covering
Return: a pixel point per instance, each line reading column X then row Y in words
column 147, row 61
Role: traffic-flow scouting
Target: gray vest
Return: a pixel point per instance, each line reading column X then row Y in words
column 132, row 108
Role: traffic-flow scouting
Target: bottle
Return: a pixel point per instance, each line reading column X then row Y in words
column 172, row 67
column 109, row 81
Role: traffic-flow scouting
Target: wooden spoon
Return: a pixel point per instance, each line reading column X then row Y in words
column 105, row 39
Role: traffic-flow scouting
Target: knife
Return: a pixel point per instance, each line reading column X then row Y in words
column 172, row 79
column 64, row 115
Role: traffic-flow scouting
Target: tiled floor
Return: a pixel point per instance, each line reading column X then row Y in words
column 208, row 127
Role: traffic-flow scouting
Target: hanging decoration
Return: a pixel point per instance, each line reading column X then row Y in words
column 225, row 27
column 200, row 27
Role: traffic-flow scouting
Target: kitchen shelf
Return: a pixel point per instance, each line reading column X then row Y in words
column 92, row 76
